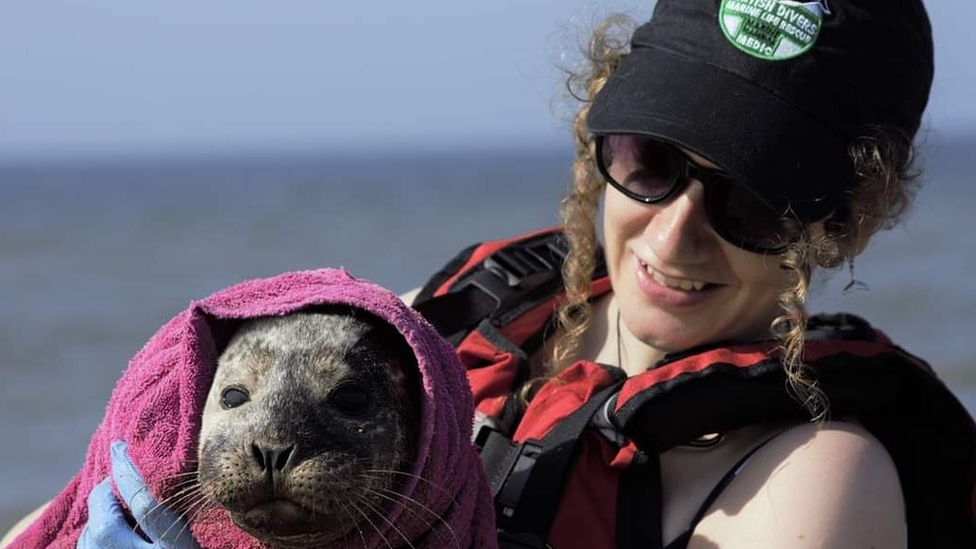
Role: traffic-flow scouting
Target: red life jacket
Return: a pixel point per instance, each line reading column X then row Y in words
column 579, row 467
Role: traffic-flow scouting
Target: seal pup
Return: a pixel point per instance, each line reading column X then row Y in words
column 309, row 425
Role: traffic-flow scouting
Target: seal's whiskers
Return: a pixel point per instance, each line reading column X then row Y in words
column 352, row 519
column 193, row 508
column 388, row 521
column 371, row 523
column 402, row 500
column 181, row 493
column 443, row 491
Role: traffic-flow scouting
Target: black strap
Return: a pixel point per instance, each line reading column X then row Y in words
column 639, row 505
column 682, row 541
column 454, row 315
column 445, row 273
column 527, row 479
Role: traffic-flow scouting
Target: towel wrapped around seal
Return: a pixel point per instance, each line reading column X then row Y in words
column 157, row 405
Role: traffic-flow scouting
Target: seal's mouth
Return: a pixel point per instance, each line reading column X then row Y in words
column 282, row 518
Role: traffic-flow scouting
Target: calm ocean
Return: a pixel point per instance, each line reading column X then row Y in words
column 95, row 256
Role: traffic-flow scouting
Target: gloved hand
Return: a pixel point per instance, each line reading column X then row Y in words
column 107, row 527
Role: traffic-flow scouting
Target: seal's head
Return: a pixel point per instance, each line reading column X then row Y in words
column 309, row 425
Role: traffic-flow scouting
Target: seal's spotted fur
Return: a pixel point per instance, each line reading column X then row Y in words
column 309, row 420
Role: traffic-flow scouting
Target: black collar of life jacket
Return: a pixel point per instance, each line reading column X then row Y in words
column 494, row 287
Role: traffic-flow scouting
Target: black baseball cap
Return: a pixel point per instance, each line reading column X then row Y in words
column 773, row 91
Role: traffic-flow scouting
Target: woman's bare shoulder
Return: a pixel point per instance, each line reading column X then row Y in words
column 828, row 486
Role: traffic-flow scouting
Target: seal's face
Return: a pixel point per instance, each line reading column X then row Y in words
column 309, row 425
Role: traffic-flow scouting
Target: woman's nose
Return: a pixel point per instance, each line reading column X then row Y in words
column 679, row 231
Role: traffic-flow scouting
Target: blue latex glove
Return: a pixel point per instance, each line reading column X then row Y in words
column 107, row 527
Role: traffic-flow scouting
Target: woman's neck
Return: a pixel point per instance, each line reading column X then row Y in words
column 608, row 340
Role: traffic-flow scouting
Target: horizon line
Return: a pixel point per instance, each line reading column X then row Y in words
column 400, row 150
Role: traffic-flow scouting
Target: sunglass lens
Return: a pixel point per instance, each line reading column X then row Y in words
column 649, row 170
column 642, row 166
column 742, row 219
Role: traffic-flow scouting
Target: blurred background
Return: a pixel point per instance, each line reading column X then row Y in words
column 152, row 153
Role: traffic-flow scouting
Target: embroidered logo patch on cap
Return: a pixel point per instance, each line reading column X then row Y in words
column 772, row 29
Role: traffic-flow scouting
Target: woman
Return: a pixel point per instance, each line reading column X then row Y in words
column 735, row 147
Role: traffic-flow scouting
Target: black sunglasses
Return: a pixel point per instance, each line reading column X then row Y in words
column 650, row 171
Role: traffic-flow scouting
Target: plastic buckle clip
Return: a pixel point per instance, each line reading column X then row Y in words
column 507, row 500
column 484, row 426
column 511, row 275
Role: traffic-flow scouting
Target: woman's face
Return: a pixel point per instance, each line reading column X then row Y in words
column 680, row 285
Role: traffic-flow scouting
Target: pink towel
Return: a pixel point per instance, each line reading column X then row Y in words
column 157, row 405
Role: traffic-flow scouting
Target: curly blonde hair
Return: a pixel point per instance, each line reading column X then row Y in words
column 885, row 186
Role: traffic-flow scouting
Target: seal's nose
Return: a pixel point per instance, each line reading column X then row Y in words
column 272, row 461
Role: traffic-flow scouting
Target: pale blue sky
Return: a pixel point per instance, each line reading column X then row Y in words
column 103, row 76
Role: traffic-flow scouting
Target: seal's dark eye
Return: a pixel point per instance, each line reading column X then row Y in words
column 350, row 399
column 234, row 396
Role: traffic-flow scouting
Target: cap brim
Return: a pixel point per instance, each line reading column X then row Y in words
column 791, row 161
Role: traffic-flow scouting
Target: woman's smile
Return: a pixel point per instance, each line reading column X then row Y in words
column 672, row 291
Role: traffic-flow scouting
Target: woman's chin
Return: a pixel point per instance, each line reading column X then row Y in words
column 668, row 333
